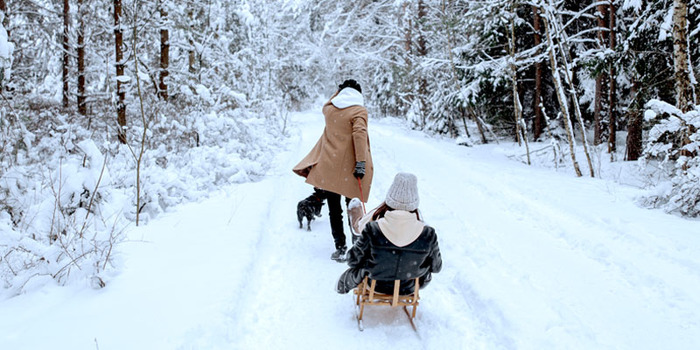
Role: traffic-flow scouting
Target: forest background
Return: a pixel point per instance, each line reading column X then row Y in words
column 112, row 111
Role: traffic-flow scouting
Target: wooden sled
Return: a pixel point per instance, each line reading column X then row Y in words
column 367, row 296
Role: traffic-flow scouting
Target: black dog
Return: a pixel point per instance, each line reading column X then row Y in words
column 309, row 208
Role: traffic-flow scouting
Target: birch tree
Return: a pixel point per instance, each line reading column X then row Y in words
column 683, row 77
column 561, row 96
column 561, row 69
column 520, row 127
column 685, row 93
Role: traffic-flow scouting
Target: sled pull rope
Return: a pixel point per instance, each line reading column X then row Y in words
column 362, row 197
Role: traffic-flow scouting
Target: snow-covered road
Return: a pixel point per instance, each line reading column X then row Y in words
column 533, row 259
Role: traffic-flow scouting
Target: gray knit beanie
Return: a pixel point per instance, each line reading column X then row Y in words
column 403, row 193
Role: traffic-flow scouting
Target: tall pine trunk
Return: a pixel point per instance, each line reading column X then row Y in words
column 449, row 33
column 406, row 23
column 82, row 107
column 119, row 58
column 538, row 124
column 5, row 21
column 408, row 35
column 66, row 50
column 633, row 149
column 422, row 51
column 190, row 41
column 164, row 52
column 601, row 79
column 612, row 96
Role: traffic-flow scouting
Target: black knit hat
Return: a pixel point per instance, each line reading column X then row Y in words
column 350, row 83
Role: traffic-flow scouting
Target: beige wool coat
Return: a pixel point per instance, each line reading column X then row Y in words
column 331, row 162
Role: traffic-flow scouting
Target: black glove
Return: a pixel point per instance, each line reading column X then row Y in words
column 359, row 170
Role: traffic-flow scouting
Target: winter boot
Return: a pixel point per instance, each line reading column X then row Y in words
column 354, row 216
column 349, row 280
column 339, row 254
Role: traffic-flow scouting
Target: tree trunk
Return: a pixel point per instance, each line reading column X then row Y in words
column 563, row 44
column 559, row 87
column 684, row 88
column 612, row 96
column 517, row 107
column 407, row 35
column 681, row 58
column 119, row 53
column 407, row 25
column 601, row 79
column 479, row 124
column 190, row 35
column 66, row 48
column 164, row 52
column 634, row 125
column 538, row 125
column 450, row 45
column 6, row 20
column 82, row 107
column 3, row 8
column 422, row 51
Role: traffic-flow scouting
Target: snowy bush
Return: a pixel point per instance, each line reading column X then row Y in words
column 674, row 142
column 56, row 216
column 67, row 196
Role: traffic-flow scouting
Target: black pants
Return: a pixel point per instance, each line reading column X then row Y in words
column 335, row 214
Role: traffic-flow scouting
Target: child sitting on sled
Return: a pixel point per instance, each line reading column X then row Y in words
column 394, row 243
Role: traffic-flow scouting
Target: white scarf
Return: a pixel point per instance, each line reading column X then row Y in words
column 348, row 97
column 400, row 227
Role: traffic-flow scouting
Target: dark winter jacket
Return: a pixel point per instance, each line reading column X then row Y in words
column 375, row 256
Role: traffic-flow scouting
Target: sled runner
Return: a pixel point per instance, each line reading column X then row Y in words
column 367, row 296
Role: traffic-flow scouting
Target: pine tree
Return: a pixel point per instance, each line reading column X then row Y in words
column 164, row 50
column 82, row 104
column 66, row 51
column 121, row 78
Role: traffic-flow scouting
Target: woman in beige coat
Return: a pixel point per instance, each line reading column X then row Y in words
column 341, row 157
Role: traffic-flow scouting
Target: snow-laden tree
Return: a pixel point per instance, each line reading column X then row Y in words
column 67, row 187
column 6, row 52
column 674, row 140
column 673, row 147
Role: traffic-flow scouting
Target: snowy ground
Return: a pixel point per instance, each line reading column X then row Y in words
column 533, row 259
